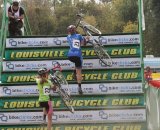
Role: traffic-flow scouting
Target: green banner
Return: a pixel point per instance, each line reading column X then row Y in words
column 115, row 126
column 88, row 76
column 59, row 53
column 87, row 102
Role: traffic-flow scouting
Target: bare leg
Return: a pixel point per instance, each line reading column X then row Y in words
column 50, row 112
column 79, row 79
column 49, row 125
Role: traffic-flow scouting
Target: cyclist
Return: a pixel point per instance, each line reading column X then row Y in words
column 74, row 54
column 44, row 86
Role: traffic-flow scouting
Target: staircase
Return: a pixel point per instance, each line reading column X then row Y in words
column 113, row 96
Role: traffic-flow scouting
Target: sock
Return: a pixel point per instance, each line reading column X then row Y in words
column 44, row 117
column 79, row 85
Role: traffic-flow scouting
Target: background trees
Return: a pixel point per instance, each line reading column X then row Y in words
column 51, row 17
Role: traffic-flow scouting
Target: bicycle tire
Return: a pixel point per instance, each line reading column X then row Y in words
column 66, row 99
column 90, row 28
column 102, row 54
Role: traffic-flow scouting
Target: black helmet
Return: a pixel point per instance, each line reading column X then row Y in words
column 42, row 71
column 71, row 29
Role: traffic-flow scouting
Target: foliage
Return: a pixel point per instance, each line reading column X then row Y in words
column 130, row 27
column 52, row 17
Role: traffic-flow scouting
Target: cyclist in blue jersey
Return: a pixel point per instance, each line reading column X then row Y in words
column 75, row 54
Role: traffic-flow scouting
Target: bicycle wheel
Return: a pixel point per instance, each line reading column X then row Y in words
column 102, row 54
column 90, row 28
column 66, row 99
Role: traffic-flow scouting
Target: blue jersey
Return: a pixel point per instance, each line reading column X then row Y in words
column 74, row 42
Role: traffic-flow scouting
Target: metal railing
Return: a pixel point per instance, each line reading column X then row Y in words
column 4, row 30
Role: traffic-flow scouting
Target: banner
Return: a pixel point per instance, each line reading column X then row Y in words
column 114, row 126
column 88, row 89
column 59, row 53
column 67, row 65
column 88, row 76
column 62, row 41
column 153, row 63
column 92, row 116
column 86, row 102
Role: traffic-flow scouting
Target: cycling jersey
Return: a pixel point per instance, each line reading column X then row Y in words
column 74, row 42
column 44, row 90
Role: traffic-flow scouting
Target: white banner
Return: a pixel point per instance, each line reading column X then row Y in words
column 67, row 65
column 62, row 41
column 88, row 89
column 95, row 116
column 152, row 62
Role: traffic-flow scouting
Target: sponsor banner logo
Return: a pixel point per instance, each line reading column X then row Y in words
column 59, row 53
column 115, row 126
column 79, row 103
column 67, row 65
column 95, row 116
column 93, row 76
column 120, row 39
column 35, row 42
column 62, row 41
column 88, row 89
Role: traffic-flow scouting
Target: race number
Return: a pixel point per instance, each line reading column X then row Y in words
column 76, row 43
column 46, row 90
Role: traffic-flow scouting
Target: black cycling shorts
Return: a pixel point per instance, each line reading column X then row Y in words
column 44, row 105
column 76, row 60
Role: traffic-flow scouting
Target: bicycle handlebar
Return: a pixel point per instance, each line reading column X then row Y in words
column 56, row 66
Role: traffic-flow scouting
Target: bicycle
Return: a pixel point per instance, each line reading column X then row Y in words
column 58, row 79
column 97, row 46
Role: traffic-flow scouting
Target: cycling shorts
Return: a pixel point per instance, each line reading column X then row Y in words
column 77, row 60
column 47, row 105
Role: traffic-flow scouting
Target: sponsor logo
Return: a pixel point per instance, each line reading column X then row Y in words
column 88, row 65
column 103, row 40
column 103, row 88
column 3, row 118
column 116, row 52
column 21, row 104
column 103, row 115
column 82, row 127
column 7, row 91
column 57, row 41
column 124, row 40
column 25, row 118
column 12, row 42
column 54, row 117
column 9, row 65
column 21, row 79
column 37, row 54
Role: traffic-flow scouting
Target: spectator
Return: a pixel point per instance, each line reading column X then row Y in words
column 16, row 15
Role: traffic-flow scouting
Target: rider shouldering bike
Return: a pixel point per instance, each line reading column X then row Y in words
column 75, row 41
column 44, row 86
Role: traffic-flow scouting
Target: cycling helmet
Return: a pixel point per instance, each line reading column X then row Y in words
column 42, row 71
column 71, row 29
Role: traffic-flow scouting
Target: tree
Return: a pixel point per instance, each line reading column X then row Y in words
column 151, row 34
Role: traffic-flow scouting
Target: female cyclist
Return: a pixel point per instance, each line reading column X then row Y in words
column 44, row 86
